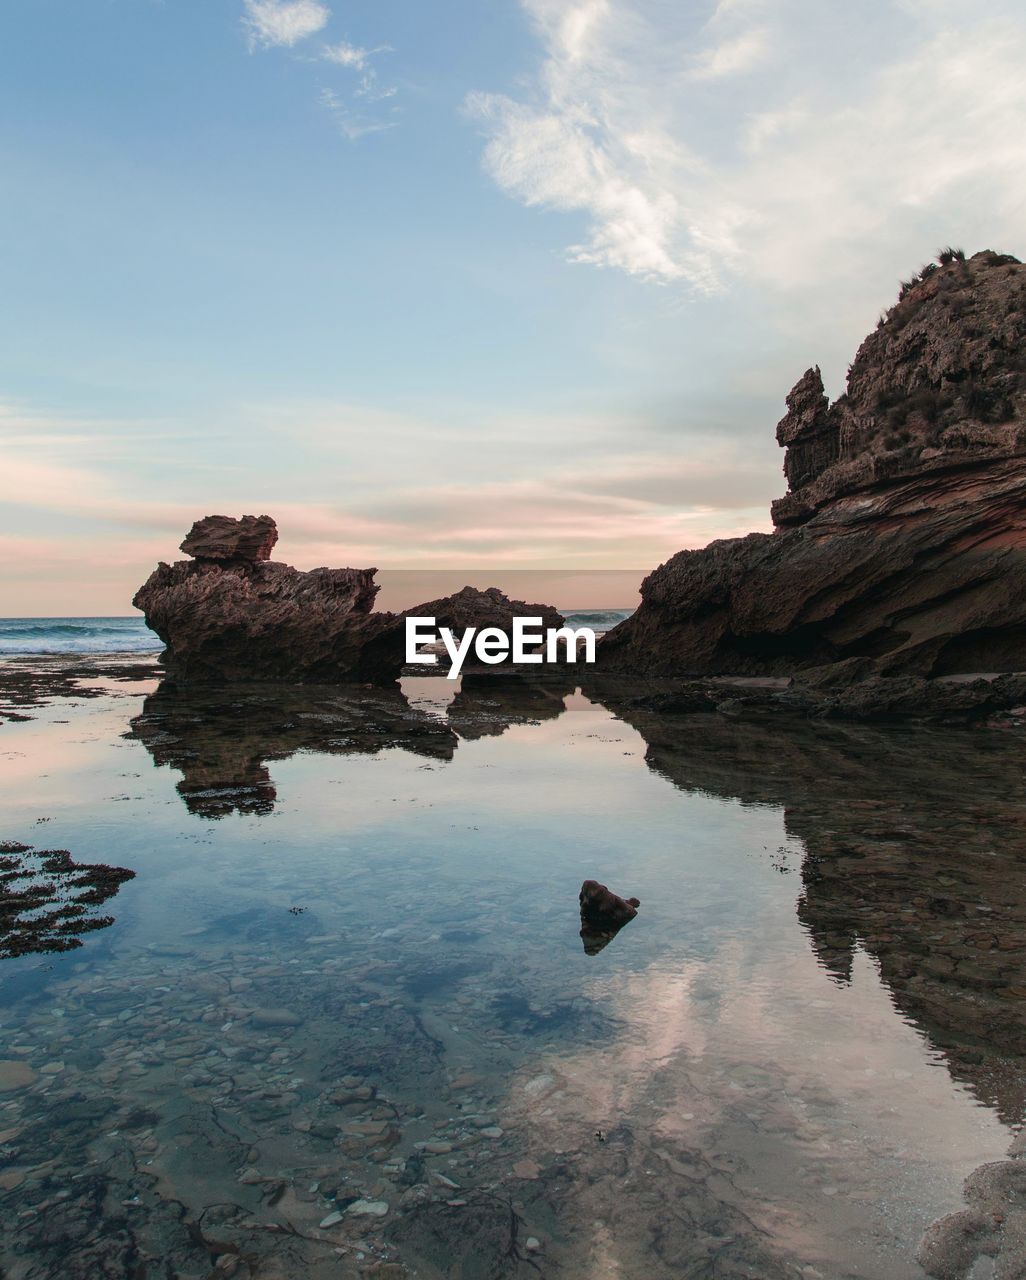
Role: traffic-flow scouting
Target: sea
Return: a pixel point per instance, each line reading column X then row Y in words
column 77, row 635
column 132, row 635
column 294, row 981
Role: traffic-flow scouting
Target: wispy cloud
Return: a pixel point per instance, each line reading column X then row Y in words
column 768, row 142
column 352, row 108
column 732, row 57
column 105, row 509
column 350, row 121
column 344, row 54
column 284, row 22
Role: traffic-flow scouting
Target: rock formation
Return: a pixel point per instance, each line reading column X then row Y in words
column 993, row 1225
column 603, row 915
column 232, row 614
column 471, row 607
column 224, row 538
column 902, row 538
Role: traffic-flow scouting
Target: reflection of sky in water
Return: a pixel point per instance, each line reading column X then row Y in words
column 831, row 1117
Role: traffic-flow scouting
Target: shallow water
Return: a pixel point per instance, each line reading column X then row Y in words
column 347, row 980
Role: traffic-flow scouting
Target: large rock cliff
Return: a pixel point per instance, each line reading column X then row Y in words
column 902, row 538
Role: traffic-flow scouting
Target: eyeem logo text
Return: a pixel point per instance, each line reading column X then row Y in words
column 529, row 642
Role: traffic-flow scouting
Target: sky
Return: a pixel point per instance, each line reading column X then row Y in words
column 483, row 284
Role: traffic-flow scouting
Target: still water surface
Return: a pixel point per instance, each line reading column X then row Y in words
column 343, row 1023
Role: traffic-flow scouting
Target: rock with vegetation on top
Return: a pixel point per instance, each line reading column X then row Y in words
column 902, row 539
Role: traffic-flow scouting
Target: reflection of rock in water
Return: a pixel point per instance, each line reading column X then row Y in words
column 915, row 841
column 45, row 898
column 603, row 915
column 487, row 705
column 221, row 744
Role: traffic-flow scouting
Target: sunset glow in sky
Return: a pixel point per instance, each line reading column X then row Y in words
column 518, row 284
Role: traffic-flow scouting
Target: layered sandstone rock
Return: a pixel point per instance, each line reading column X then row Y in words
column 471, row 607
column 225, row 538
column 902, row 539
column 232, row 614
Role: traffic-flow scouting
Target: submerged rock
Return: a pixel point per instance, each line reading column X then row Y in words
column 902, row 539
column 993, row 1226
column 46, row 897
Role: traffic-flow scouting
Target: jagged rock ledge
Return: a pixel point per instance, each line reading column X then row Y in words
column 901, row 543
column 832, row 693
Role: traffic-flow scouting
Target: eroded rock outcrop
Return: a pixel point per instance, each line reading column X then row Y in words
column 223, row 538
column 902, row 539
column 232, row 614
column 268, row 621
column 471, row 607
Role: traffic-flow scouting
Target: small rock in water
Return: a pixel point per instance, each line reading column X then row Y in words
column 368, row 1208
column 493, row 1132
column 440, row 1180
column 330, row 1220
column 15, row 1075
column 533, row 1244
column 275, row 1018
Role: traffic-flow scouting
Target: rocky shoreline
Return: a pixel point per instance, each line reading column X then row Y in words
column 984, row 701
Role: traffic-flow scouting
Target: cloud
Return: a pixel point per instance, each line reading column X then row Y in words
column 344, row 54
column 804, row 142
column 732, row 56
column 284, row 22
column 351, row 122
column 113, row 504
column 352, row 110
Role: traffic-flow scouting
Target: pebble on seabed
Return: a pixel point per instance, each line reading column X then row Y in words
column 368, row 1208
